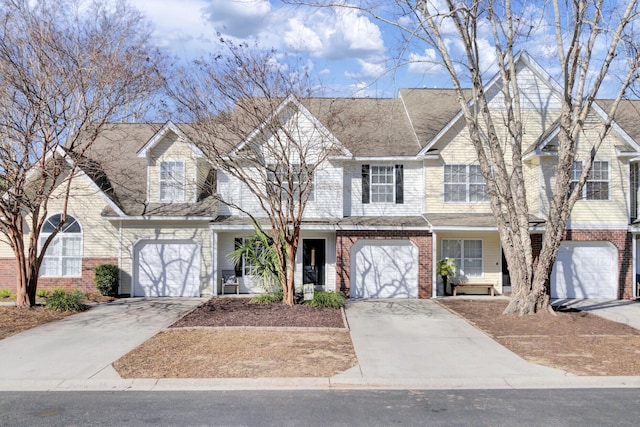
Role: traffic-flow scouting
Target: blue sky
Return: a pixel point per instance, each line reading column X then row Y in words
column 348, row 51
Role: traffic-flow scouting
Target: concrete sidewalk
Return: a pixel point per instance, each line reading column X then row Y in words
column 400, row 344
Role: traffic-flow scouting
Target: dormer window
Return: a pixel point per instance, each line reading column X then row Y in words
column 172, row 181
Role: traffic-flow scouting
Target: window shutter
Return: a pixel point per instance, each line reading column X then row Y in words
column 238, row 266
column 399, row 184
column 365, row 183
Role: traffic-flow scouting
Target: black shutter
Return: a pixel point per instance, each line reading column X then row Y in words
column 399, row 184
column 365, row 183
column 238, row 266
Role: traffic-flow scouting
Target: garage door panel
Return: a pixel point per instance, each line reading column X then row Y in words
column 585, row 270
column 167, row 269
column 384, row 270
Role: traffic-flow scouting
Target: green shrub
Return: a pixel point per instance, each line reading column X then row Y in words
column 43, row 293
column 5, row 293
column 322, row 299
column 62, row 301
column 267, row 298
column 106, row 278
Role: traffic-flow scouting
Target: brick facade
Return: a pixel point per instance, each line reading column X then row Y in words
column 422, row 239
column 621, row 239
column 85, row 283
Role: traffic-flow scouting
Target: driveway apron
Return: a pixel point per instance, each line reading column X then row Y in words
column 419, row 339
column 83, row 345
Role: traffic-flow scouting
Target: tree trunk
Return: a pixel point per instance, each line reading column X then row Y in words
column 289, row 283
column 530, row 300
column 26, row 289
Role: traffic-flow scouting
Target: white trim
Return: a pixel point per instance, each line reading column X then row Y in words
column 467, row 183
column 214, row 262
column 60, row 235
column 159, row 135
column 162, row 218
column 183, row 183
column 386, row 158
column 625, row 136
column 393, row 184
column 290, row 99
column 521, row 56
column 101, row 193
column 434, row 279
column 462, row 257
column 583, row 196
column 594, row 226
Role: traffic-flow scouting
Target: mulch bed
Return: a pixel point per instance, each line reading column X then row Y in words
column 571, row 340
column 238, row 312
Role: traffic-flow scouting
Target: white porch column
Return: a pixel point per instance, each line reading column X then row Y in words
column 434, row 275
column 214, row 263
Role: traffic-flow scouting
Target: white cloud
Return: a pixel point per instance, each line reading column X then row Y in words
column 368, row 70
column 178, row 26
column 301, row 38
column 238, row 18
column 425, row 64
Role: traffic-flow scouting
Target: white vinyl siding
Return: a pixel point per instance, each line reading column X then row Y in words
column 468, row 256
column 64, row 254
column 278, row 178
column 172, row 181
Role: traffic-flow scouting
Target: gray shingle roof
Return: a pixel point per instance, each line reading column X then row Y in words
column 627, row 116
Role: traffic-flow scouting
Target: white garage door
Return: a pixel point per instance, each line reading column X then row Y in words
column 585, row 270
column 384, row 269
column 167, row 268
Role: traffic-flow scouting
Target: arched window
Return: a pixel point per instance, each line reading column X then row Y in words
column 64, row 254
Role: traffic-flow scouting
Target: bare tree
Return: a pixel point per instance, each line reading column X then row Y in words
column 248, row 113
column 590, row 35
column 66, row 69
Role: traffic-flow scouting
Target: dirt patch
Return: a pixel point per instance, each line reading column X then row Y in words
column 238, row 353
column 211, row 342
column 574, row 341
column 238, row 312
column 14, row 320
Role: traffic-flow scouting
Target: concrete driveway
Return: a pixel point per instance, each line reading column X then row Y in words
column 84, row 345
column 414, row 340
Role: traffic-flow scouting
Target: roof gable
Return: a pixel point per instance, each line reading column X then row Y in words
column 168, row 127
column 538, row 91
column 284, row 112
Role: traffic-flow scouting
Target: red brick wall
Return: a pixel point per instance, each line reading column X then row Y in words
column 421, row 239
column 621, row 239
column 84, row 283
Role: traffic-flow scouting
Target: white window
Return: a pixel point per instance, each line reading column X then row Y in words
column 467, row 254
column 64, row 254
column 278, row 179
column 382, row 184
column 172, row 181
column 597, row 185
column 464, row 183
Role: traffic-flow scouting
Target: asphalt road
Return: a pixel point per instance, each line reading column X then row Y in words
column 578, row 407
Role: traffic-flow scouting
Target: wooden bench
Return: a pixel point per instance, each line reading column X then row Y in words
column 489, row 287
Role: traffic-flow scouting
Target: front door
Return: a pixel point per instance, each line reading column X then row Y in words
column 313, row 260
column 506, row 279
